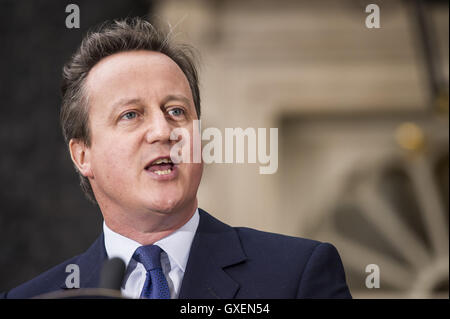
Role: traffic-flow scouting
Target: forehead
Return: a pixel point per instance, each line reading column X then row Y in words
column 136, row 73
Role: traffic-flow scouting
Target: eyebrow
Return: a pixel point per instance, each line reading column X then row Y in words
column 176, row 97
column 126, row 101
column 170, row 97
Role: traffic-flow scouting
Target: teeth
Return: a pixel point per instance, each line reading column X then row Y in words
column 165, row 172
column 162, row 160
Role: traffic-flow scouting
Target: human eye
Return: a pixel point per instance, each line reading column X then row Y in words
column 177, row 112
column 130, row 115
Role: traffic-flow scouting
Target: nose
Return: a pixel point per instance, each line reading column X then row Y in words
column 158, row 129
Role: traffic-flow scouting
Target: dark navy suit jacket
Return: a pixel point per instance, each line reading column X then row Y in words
column 226, row 262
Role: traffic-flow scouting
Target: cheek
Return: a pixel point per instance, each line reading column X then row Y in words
column 194, row 145
column 194, row 169
column 194, row 173
column 112, row 159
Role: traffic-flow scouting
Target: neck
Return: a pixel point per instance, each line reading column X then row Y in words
column 149, row 227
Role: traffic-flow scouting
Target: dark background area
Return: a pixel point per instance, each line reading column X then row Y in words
column 44, row 217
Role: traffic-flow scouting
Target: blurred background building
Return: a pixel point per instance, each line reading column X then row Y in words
column 362, row 116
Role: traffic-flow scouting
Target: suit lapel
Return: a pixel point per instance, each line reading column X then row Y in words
column 215, row 246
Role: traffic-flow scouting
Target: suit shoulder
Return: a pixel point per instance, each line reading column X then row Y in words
column 277, row 244
column 268, row 237
column 306, row 268
column 49, row 281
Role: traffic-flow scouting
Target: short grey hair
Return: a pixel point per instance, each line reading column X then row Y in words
column 130, row 34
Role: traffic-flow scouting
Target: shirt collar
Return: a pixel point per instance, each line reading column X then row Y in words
column 177, row 245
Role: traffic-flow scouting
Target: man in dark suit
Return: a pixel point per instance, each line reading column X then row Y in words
column 125, row 91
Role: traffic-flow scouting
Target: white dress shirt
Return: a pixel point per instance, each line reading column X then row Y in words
column 174, row 257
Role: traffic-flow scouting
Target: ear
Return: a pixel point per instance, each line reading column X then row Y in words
column 80, row 155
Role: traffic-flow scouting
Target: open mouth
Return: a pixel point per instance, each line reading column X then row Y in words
column 161, row 166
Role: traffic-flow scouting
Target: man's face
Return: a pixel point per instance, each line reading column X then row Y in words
column 135, row 100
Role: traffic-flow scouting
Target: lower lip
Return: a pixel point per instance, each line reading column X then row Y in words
column 166, row 177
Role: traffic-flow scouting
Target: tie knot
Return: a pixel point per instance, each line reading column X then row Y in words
column 149, row 256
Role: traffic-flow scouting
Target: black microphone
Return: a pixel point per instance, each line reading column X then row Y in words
column 111, row 278
column 112, row 274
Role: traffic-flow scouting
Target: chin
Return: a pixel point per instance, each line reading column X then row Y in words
column 163, row 205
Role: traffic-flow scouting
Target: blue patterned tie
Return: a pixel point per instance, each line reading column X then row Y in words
column 155, row 286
